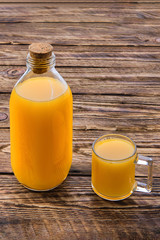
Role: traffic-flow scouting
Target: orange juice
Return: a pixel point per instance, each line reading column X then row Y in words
column 113, row 168
column 41, row 132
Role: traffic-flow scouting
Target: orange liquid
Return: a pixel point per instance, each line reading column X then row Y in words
column 114, row 178
column 41, row 132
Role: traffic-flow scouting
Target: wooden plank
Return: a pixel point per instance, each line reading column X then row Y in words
column 81, row 1
column 120, row 5
column 81, row 34
column 103, row 112
column 62, row 1
column 91, row 56
column 10, row 49
column 110, row 81
column 73, row 211
column 88, row 56
column 22, row 49
column 82, row 12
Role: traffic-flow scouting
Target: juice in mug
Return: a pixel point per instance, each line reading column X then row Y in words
column 41, row 126
column 113, row 167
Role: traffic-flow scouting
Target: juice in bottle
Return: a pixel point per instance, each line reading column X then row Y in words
column 41, row 123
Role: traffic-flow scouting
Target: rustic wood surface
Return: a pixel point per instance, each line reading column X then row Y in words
column 109, row 53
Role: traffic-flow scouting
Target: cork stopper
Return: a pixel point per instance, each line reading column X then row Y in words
column 40, row 57
column 40, row 50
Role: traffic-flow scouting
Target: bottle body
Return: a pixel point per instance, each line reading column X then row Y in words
column 41, row 130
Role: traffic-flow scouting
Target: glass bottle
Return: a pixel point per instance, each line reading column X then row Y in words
column 41, row 110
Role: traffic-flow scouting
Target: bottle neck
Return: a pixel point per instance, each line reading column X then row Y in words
column 40, row 65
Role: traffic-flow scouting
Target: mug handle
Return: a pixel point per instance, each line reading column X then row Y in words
column 145, row 187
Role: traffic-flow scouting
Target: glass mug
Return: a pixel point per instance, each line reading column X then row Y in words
column 114, row 179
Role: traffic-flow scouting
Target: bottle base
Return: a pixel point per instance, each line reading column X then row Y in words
column 42, row 190
column 110, row 198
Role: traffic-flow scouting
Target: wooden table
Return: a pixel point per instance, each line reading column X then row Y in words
column 109, row 53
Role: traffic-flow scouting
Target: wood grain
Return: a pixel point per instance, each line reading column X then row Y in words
column 74, row 211
column 81, row 33
column 81, row 1
column 109, row 54
column 83, row 81
column 81, row 12
column 89, row 56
